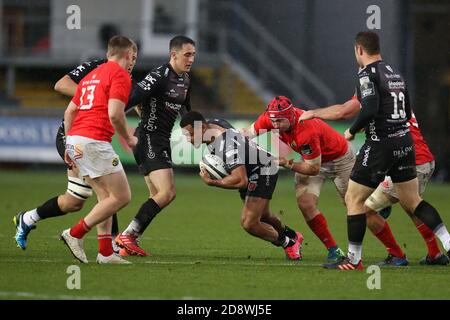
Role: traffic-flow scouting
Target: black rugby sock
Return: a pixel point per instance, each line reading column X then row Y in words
column 115, row 225
column 50, row 209
column 428, row 214
column 146, row 214
column 356, row 228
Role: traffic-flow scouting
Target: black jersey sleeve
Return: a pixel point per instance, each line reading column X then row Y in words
column 83, row 69
column 408, row 108
column 135, row 98
column 369, row 97
column 188, row 100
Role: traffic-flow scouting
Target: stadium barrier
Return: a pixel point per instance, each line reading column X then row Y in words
column 32, row 140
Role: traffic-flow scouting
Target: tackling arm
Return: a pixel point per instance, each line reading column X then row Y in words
column 236, row 180
column 347, row 110
column 66, row 86
column 307, row 167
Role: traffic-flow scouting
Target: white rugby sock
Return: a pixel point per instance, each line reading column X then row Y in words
column 31, row 217
column 443, row 235
column 133, row 228
column 354, row 252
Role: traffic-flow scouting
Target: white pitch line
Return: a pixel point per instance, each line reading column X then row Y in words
column 219, row 263
column 32, row 295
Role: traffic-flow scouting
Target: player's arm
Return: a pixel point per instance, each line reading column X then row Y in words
column 370, row 99
column 118, row 99
column 135, row 100
column 249, row 131
column 408, row 109
column 187, row 104
column 118, row 120
column 66, row 86
column 310, row 167
column 260, row 126
column 347, row 110
column 237, row 179
column 69, row 116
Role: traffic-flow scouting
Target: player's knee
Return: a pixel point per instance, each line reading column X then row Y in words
column 307, row 206
column 167, row 196
column 353, row 202
column 68, row 203
column 248, row 223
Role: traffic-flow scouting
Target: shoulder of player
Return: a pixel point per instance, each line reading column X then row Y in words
column 308, row 129
column 369, row 73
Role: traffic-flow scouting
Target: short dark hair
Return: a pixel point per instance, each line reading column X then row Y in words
column 190, row 117
column 178, row 41
column 370, row 41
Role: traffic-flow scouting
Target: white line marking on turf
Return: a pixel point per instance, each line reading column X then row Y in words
column 33, row 295
column 219, row 263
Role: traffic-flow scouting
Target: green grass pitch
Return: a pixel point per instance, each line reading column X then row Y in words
column 200, row 251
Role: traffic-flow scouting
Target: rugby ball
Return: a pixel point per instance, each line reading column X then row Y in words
column 214, row 165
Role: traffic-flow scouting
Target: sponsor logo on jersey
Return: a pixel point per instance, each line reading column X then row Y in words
column 306, row 149
column 150, row 125
column 366, row 156
column 150, row 153
column 389, row 68
column 364, row 80
column 396, row 84
column 172, row 93
column 402, row 152
column 367, row 89
column 392, row 76
column 174, row 106
column 254, row 177
column 373, row 131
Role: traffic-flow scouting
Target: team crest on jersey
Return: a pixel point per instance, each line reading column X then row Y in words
column 306, row 149
column 252, row 186
column 367, row 89
column 254, row 177
column 115, row 162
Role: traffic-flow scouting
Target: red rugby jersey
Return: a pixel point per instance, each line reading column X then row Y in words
column 108, row 81
column 310, row 138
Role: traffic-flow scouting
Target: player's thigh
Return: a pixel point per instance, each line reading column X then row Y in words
column 408, row 194
column 342, row 169
column 356, row 196
column 254, row 208
column 114, row 184
column 161, row 180
column 78, row 190
column 308, row 184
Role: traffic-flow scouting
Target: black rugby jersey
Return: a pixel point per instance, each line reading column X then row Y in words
column 382, row 90
column 235, row 150
column 163, row 94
